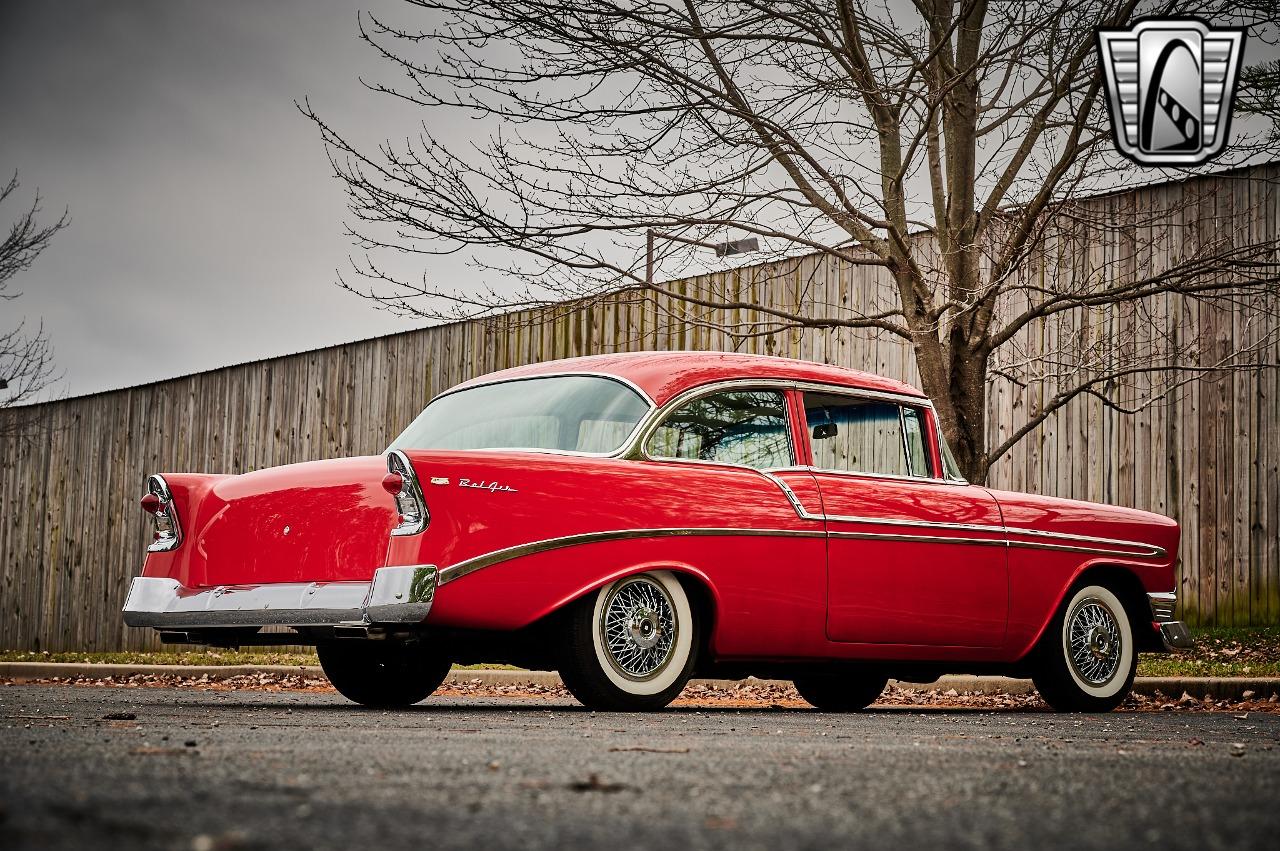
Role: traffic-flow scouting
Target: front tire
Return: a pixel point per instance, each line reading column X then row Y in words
column 632, row 645
column 1087, row 658
column 841, row 692
column 382, row 674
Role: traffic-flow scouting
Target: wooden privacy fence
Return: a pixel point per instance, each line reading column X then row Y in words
column 72, row 535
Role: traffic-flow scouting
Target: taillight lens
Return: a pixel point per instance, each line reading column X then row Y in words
column 402, row 484
column 158, row 502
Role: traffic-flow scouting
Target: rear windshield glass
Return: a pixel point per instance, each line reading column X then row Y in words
column 580, row 413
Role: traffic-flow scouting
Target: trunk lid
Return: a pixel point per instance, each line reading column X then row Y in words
column 319, row 521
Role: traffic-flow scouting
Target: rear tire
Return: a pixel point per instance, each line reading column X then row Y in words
column 382, row 674
column 631, row 645
column 841, row 693
column 1087, row 659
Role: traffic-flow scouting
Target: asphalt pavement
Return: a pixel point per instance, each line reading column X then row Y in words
column 141, row 768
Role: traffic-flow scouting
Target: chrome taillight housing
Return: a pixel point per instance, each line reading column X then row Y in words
column 402, row 483
column 158, row 502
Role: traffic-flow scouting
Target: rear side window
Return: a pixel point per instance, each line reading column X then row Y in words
column 747, row 427
column 578, row 413
column 857, row 435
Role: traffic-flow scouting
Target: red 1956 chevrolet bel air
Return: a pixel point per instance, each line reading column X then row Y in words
column 632, row 519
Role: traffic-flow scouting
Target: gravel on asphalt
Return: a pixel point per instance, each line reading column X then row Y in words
column 293, row 765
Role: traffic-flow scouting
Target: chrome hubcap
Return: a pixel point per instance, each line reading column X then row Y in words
column 643, row 628
column 639, row 626
column 1094, row 642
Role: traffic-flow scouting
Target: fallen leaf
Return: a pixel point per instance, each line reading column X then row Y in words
column 643, row 749
column 593, row 783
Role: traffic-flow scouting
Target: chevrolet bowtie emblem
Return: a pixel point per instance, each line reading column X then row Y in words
column 1170, row 86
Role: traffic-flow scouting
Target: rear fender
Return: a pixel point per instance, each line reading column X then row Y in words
column 682, row 570
column 194, row 511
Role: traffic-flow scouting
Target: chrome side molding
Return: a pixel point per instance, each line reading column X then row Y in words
column 1042, row 540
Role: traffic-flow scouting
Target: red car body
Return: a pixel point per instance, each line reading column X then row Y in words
column 793, row 565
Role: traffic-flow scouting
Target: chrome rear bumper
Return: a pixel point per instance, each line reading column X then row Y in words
column 397, row 595
column 1173, row 633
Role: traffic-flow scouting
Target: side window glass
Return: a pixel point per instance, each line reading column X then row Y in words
column 913, row 437
column 747, row 427
column 950, row 467
column 866, row 435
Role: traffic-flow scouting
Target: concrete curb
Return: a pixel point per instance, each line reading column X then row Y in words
column 1219, row 688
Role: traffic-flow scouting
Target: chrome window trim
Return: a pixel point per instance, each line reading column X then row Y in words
column 902, row 401
column 615, row 453
column 469, row 385
column 937, row 431
column 696, row 393
column 655, row 417
column 887, row 476
column 902, row 433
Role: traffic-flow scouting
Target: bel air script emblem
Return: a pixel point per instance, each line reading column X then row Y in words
column 1170, row 85
column 491, row 487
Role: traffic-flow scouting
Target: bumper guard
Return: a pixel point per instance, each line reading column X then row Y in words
column 1173, row 633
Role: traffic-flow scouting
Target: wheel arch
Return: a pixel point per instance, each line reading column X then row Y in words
column 703, row 596
column 1125, row 583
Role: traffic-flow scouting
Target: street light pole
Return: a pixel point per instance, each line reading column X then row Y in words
column 649, row 236
column 722, row 249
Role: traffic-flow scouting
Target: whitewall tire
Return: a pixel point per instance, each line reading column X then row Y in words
column 1087, row 659
column 632, row 644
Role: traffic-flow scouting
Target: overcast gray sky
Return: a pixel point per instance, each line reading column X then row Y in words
column 205, row 225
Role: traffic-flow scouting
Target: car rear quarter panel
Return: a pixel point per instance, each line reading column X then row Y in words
column 768, row 589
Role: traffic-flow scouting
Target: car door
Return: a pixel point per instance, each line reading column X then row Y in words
column 912, row 558
column 730, row 457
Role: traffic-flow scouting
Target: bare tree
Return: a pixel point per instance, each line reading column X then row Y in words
column 26, row 358
column 939, row 141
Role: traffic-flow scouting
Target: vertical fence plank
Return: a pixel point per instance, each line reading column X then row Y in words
column 71, row 537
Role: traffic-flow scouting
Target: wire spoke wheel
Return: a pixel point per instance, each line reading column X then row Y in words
column 1087, row 657
column 1094, row 641
column 631, row 645
column 639, row 628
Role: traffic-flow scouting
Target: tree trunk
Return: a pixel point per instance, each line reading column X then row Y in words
column 956, row 380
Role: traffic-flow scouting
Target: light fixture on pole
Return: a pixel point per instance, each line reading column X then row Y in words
column 722, row 249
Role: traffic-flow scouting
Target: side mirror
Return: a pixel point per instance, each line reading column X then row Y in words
column 822, row 431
